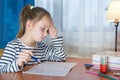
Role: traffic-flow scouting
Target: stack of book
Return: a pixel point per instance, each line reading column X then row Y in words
column 113, row 60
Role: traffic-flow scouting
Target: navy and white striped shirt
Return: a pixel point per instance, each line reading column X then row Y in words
column 42, row 51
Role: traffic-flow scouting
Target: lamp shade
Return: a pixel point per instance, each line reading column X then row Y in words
column 113, row 13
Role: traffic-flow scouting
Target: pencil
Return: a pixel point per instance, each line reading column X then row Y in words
column 91, row 72
column 106, row 76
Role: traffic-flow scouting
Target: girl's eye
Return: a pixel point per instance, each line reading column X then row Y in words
column 42, row 29
column 48, row 31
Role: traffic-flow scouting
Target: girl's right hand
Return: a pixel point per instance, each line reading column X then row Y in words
column 53, row 31
column 24, row 57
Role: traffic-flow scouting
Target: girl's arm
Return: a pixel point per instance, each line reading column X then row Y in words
column 57, row 52
column 8, row 60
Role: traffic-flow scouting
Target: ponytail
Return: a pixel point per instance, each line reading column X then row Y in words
column 23, row 20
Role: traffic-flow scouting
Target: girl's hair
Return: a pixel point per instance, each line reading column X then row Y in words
column 31, row 13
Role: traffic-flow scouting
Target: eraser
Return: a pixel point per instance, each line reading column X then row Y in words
column 116, row 73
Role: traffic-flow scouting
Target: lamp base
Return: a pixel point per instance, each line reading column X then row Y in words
column 116, row 26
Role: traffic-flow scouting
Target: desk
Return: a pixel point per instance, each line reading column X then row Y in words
column 77, row 73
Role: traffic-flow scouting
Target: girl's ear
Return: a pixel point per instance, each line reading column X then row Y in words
column 29, row 24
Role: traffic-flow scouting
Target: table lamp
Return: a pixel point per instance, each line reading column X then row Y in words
column 113, row 14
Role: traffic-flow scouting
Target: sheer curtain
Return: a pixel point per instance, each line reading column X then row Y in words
column 83, row 25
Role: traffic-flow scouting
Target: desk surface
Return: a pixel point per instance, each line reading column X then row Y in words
column 77, row 73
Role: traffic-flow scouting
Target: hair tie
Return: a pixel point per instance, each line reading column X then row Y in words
column 31, row 7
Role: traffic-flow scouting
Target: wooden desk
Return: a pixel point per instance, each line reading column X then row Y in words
column 77, row 73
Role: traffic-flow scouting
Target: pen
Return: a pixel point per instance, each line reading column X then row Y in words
column 36, row 59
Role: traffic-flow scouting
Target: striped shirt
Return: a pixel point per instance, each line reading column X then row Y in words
column 42, row 51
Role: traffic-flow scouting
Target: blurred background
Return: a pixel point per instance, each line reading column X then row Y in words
column 82, row 23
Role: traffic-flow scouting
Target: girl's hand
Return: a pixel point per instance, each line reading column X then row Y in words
column 52, row 31
column 24, row 57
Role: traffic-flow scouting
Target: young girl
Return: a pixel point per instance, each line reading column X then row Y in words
column 36, row 24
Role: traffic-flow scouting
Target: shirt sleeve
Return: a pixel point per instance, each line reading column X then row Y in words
column 8, row 60
column 57, row 52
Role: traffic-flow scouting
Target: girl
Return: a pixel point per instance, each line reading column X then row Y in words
column 36, row 24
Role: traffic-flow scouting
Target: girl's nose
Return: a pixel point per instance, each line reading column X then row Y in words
column 45, row 34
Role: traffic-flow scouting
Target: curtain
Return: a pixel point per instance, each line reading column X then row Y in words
column 83, row 25
column 9, row 19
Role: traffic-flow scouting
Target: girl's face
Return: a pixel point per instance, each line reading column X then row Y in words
column 40, row 29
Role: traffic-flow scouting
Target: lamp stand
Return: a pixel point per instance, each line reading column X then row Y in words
column 116, row 26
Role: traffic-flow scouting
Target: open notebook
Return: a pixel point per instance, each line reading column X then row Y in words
column 51, row 68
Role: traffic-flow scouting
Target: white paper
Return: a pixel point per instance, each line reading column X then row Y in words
column 52, row 68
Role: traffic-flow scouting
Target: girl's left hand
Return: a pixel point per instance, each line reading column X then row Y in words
column 52, row 31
